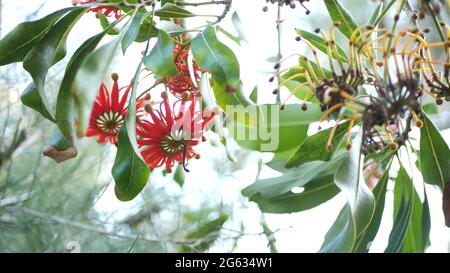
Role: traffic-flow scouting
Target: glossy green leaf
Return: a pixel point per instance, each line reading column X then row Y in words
column 133, row 31
column 417, row 231
column 17, row 43
column 434, row 155
column 65, row 106
column 340, row 238
column 213, row 56
column 319, row 43
column 50, row 50
column 130, row 171
column 160, row 59
column 315, row 147
column 376, row 13
column 210, row 231
column 317, row 191
column 349, row 179
column 31, row 98
column 276, row 130
column 340, row 15
column 281, row 185
column 403, row 205
column 172, row 11
column 363, row 242
column 89, row 78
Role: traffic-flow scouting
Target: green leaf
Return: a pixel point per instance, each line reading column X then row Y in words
column 320, row 44
column 281, row 185
column 315, row 147
column 363, row 242
column 90, row 76
column 217, row 58
column 146, row 31
column 340, row 238
column 254, row 95
column 430, row 108
column 50, row 50
column 133, row 31
column 106, row 25
column 31, row 98
column 17, row 43
column 403, row 207
column 414, row 234
column 229, row 35
column 172, row 11
column 65, row 106
column 276, row 130
column 170, row 27
column 355, row 217
column 434, row 155
column 376, row 13
column 160, row 59
column 207, row 233
column 225, row 99
column 130, row 171
column 426, row 221
column 238, row 26
column 179, row 176
column 340, row 15
column 349, row 179
column 317, row 191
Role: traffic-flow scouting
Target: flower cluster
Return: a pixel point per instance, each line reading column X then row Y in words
column 182, row 84
column 378, row 85
column 166, row 134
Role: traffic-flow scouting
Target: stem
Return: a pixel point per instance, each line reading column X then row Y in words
column 149, row 89
column 279, row 55
column 435, row 21
column 383, row 13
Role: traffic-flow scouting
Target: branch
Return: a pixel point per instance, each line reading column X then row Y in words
column 63, row 221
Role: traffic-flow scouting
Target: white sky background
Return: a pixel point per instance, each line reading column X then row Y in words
column 299, row 232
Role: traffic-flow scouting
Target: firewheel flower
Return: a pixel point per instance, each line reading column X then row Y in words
column 182, row 83
column 109, row 112
column 107, row 11
column 171, row 132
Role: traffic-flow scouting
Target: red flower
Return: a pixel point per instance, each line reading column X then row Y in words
column 107, row 11
column 109, row 112
column 171, row 133
column 182, row 82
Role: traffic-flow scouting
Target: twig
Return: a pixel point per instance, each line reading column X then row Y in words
column 63, row 221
